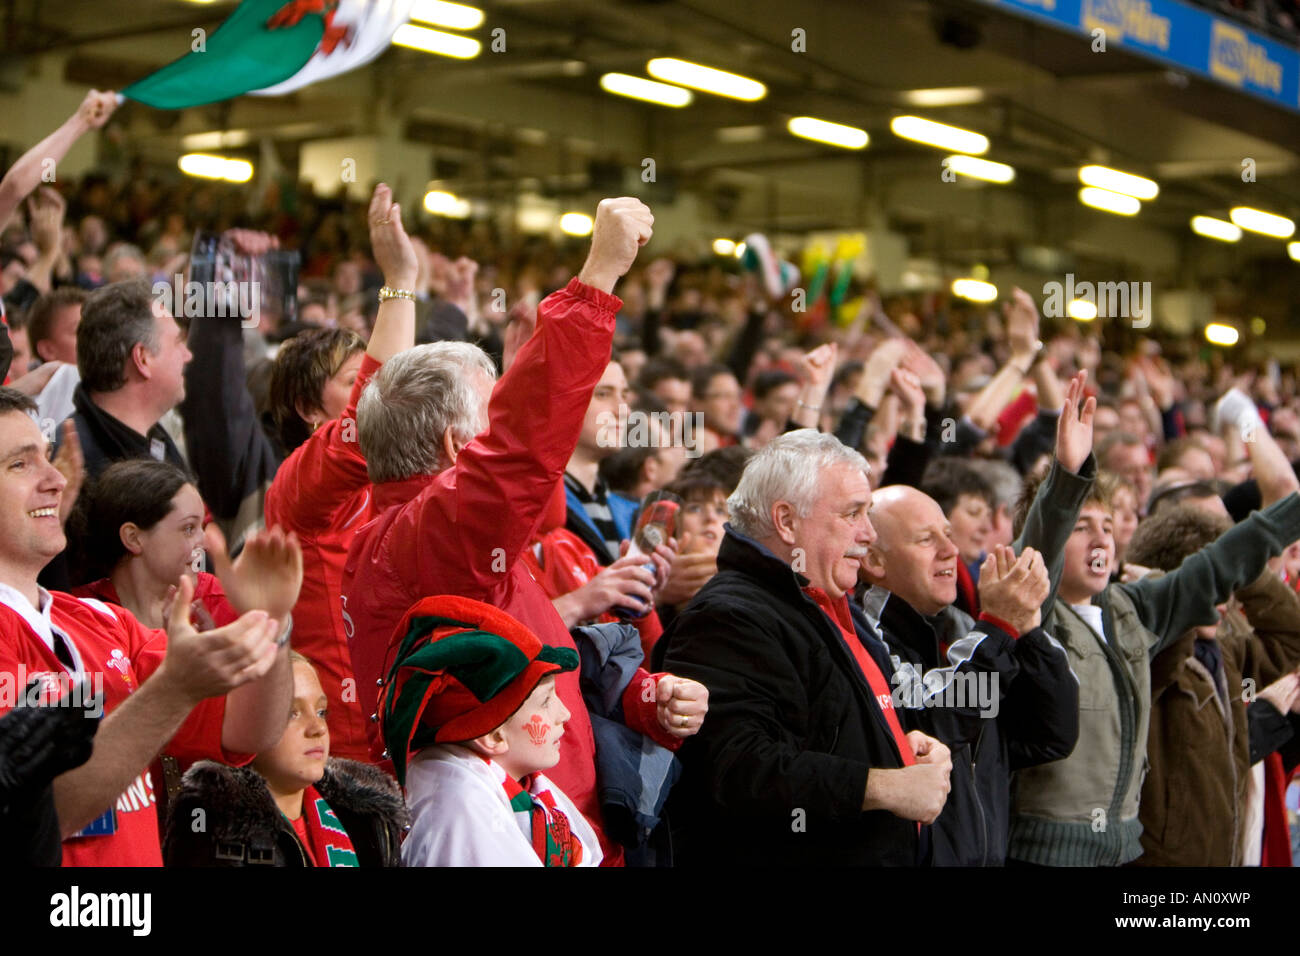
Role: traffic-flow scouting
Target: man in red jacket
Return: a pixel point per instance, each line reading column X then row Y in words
column 461, row 509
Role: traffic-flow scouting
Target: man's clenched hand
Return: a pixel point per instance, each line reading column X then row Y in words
column 622, row 227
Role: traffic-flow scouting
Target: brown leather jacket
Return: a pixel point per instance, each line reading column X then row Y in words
column 1194, row 797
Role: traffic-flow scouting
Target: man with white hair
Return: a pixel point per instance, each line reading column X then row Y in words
column 462, row 484
column 803, row 759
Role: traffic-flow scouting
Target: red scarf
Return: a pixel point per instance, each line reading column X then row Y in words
column 838, row 612
column 330, row 844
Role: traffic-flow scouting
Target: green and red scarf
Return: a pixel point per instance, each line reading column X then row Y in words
column 541, row 821
column 330, row 843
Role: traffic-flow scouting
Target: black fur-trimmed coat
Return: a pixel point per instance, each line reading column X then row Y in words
column 240, row 824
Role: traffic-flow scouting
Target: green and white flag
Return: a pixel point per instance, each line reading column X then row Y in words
column 270, row 47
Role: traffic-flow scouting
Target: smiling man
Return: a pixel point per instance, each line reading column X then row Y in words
column 803, row 759
column 1026, row 712
column 159, row 689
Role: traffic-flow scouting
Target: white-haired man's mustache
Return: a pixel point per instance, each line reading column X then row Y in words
column 857, row 552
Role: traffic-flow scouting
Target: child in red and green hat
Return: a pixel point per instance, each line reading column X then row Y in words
column 470, row 716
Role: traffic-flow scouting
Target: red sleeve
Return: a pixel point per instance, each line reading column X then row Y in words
column 323, row 471
column 998, row 622
column 213, row 596
column 199, row 737
column 642, row 715
column 1023, row 407
column 487, row 508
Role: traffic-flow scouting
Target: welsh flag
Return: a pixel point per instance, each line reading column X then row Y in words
column 270, row 47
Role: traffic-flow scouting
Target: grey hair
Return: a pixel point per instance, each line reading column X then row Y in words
column 789, row 468
column 1004, row 479
column 412, row 401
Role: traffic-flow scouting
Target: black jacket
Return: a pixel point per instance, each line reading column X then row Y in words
column 1027, row 716
column 778, row 771
column 105, row 440
column 242, row 826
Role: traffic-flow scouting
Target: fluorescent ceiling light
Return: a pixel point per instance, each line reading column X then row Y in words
column 216, row 167
column 1265, row 223
column 1108, row 201
column 939, row 134
column 1081, row 309
column 822, row 131
column 638, row 88
column 1139, row 187
column 575, row 224
column 977, row 168
column 706, row 78
column 446, row 204
column 436, row 41
column 974, row 290
column 457, row 16
column 1293, row 250
column 945, row 96
column 1216, row 333
column 1213, row 228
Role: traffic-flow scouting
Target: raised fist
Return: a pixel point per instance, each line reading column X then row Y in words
column 622, row 227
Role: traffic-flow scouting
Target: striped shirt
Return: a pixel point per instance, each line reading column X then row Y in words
column 597, row 507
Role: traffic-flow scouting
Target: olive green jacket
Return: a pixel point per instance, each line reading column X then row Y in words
column 1083, row 810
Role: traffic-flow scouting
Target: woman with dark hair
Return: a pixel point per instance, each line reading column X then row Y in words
column 311, row 379
column 138, row 528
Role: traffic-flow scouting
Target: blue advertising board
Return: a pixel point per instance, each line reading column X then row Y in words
column 1180, row 35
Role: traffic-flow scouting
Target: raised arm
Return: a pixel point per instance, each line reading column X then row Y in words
column 1022, row 332
column 1056, row 506
column 26, row 174
column 329, row 466
column 818, row 370
column 46, row 209
column 234, row 460
column 534, row 419
column 886, row 357
column 1272, row 471
column 1187, row 597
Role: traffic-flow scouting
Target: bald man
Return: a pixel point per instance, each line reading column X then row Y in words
column 1028, row 692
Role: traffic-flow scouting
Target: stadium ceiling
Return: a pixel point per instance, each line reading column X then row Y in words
column 535, row 114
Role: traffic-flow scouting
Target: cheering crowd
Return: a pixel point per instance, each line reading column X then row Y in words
column 947, row 585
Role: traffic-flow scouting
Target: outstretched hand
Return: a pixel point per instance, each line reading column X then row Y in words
column 267, row 574
column 212, row 663
column 1074, row 428
column 391, row 246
